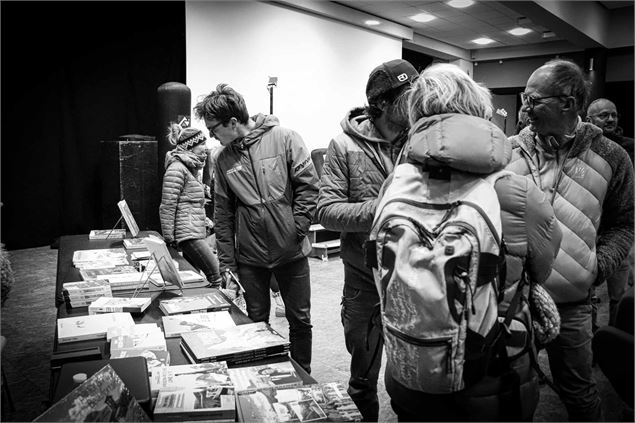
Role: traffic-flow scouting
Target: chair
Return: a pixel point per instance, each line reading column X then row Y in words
column 5, row 384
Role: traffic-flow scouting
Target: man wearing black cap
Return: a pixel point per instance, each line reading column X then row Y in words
column 356, row 165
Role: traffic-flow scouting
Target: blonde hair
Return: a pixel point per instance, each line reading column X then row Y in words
column 446, row 88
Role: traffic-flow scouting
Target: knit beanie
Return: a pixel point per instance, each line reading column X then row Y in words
column 190, row 139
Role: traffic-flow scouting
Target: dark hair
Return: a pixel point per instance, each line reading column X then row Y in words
column 373, row 111
column 570, row 79
column 222, row 104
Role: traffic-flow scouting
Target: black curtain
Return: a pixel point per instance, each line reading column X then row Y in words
column 74, row 74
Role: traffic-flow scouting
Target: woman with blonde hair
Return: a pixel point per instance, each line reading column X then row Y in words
column 452, row 138
column 182, row 209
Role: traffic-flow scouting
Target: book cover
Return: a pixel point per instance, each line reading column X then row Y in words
column 97, row 255
column 119, row 304
column 140, row 255
column 207, row 403
column 79, row 328
column 86, row 286
column 263, row 377
column 128, row 217
column 88, row 274
column 271, row 406
column 152, row 340
column 162, row 256
column 212, row 301
column 190, row 376
column 103, row 397
column 299, row 404
column 102, row 264
column 176, row 325
column 107, row 234
column 216, row 344
column 187, row 276
column 138, row 328
column 134, row 244
column 154, row 358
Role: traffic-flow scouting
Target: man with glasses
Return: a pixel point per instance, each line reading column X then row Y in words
column 589, row 180
column 265, row 194
column 357, row 162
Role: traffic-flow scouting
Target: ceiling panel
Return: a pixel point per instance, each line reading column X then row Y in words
column 458, row 26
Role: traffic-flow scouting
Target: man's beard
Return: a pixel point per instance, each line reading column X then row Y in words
column 397, row 114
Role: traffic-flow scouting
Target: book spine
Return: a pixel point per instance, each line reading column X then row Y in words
column 118, row 309
column 81, row 337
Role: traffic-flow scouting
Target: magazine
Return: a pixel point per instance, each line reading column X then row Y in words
column 325, row 401
column 103, row 398
column 176, row 325
column 264, row 377
column 190, row 376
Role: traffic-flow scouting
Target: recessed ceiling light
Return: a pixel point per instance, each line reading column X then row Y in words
column 519, row 31
column 483, row 41
column 423, row 17
column 460, row 4
column 372, row 22
column 548, row 34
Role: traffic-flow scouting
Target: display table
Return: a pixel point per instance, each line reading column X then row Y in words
column 67, row 273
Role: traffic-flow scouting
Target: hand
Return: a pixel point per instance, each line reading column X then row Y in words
column 229, row 282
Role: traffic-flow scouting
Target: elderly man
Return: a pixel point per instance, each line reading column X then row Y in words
column 603, row 114
column 589, row 180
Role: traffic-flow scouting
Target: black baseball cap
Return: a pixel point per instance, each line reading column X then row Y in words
column 389, row 76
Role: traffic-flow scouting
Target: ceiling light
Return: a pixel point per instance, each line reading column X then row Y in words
column 372, row 22
column 519, row 31
column 483, row 41
column 423, row 17
column 548, row 34
column 460, row 4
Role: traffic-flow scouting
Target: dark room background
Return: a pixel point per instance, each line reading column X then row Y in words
column 74, row 74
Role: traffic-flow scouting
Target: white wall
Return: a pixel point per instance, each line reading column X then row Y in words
column 322, row 65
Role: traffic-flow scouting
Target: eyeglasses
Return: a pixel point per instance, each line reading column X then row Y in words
column 606, row 115
column 532, row 101
column 213, row 128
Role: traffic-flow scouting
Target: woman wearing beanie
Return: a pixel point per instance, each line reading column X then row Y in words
column 182, row 209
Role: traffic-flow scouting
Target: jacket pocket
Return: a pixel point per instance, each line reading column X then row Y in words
column 275, row 177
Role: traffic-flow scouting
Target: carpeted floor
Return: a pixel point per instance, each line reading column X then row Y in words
column 28, row 322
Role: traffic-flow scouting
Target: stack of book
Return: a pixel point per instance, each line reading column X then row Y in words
column 100, row 258
column 189, row 376
column 212, row 301
column 187, row 276
column 120, row 277
column 119, row 304
column 264, row 377
column 81, row 328
column 236, row 345
column 175, row 326
column 107, row 234
column 210, row 403
column 82, row 293
column 325, row 401
column 149, row 343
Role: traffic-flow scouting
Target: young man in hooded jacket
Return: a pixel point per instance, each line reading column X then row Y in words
column 356, row 165
column 265, row 193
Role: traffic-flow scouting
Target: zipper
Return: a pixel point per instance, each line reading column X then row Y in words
column 431, row 342
column 424, row 234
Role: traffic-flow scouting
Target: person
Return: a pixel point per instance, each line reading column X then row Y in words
column 265, row 192
column 357, row 163
column 589, row 180
column 182, row 211
column 603, row 114
column 275, row 294
column 449, row 115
